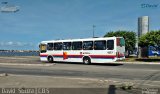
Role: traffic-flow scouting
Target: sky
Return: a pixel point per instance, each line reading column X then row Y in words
column 39, row 20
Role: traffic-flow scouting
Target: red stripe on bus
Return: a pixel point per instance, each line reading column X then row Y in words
column 102, row 56
column 43, row 55
column 80, row 56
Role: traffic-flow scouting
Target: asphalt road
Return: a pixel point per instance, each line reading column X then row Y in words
column 147, row 72
column 125, row 72
column 146, row 75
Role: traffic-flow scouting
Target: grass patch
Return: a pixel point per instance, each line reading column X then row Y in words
column 135, row 59
column 148, row 59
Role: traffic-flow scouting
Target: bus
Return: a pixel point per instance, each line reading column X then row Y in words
column 88, row 50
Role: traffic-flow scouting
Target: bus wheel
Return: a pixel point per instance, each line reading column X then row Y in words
column 50, row 59
column 86, row 60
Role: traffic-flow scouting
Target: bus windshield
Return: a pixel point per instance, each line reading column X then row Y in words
column 43, row 48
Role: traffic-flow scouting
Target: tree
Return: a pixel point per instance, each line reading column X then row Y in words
column 150, row 39
column 129, row 36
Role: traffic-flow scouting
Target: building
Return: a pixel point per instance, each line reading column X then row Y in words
column 143, row 25
column 143, row 28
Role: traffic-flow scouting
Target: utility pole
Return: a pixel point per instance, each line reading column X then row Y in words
column 93, row 30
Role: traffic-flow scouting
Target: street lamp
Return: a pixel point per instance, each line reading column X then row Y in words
column 93, row 30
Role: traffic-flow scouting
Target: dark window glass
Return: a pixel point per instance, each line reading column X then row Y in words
column 77, row 45
column 66, row 45
column 57, row 46
column 50, row 46
column 88, row 45
column 110, row 44
column 100, row 45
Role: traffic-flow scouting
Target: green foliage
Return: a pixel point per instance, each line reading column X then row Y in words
column 130, row 38
column 151, row 38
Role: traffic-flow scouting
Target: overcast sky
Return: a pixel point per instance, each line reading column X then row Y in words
column 40, row 20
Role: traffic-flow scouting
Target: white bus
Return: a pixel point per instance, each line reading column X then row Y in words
column 89, row 50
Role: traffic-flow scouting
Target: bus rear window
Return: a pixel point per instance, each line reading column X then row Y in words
column 120, row 42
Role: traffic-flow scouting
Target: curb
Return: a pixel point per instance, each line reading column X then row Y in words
column 20, row 64
column 148, row 63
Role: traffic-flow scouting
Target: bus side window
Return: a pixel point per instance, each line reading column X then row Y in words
column 49, row 46
column 77, row 46
column 110, row 44
column 100, row 45
column 58, row 46
column 88, row 45
column 67, row 46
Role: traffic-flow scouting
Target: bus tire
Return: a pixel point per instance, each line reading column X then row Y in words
column 50, row 59
column 86, row 60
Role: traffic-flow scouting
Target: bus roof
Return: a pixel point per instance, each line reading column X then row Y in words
column 84, row 39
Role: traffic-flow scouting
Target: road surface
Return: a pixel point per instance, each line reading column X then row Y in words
column 142, row 75
column 146, row 73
